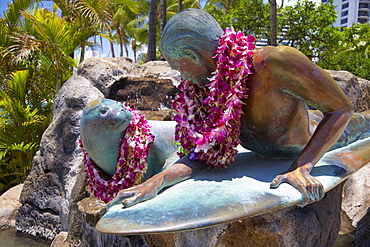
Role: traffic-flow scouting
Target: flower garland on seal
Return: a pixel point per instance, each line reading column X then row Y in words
column 131, row 164
column 208, row 119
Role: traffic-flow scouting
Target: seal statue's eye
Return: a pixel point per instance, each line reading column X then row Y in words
column 103, row 110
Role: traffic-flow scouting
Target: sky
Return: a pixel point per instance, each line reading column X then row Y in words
column 3, row 4
column 102, row 51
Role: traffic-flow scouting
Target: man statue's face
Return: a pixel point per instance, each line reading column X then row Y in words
column 192, row 69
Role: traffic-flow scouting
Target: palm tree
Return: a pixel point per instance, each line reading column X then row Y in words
column 179, row 6
column 163, row 11
column 273, row 35
column 8, row 25
column 138, row 33
column 53, row 40
column 124, row 11
column 152, row 32
column 92, row 16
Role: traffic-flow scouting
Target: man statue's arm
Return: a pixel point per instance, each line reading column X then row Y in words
column 181, row 170
column 306, row 81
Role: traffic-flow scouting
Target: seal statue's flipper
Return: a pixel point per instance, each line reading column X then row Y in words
column 219, row 196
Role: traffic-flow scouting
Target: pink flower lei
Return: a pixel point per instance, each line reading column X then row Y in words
column 208, row 119
column 131, row 164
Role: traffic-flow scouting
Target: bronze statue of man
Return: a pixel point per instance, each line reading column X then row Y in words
column 275, row 120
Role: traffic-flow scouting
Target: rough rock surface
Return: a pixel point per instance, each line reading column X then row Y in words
column 46, row 197
column 9, row 204
column 349, row 83
column 160, row 69
column 314, row 225
column 356, row 195
column 57, row 181
column 151, row 94
column 356, row 207
column 356, row 190
column 364, row 100
column 362, row 237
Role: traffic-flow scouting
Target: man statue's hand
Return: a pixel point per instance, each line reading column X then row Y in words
column 134, row 195
column 300, row 178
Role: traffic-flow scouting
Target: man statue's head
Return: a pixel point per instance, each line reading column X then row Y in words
column 189, row 42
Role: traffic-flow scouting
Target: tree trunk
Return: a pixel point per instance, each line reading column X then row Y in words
column 163, row 8
column 179, row 6
column 112, row 49
column 111, row 44
column 152, row 33
column 120, row 38
column 227, row 7
column 58, row 83
column 273, row 35
column 82, row 54
column 126, row 48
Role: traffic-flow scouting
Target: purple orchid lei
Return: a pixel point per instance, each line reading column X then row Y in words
column 131, row 164
column 208, row 119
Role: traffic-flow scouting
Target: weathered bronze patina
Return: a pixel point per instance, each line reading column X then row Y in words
column 276, row 122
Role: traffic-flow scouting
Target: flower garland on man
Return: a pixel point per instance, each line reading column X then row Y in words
column 209, row 118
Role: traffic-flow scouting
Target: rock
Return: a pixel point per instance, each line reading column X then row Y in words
column 349, row 84
column 314, row 225
column 145, row 94
column 364, row 101
column 103, row 72
column 90, row 209
column 161, row 115
column 356, row 206
column 61, row 240
column 58, row 166
column 9, row 204
column 356, row 195
column 160, row 69
column 363, row 231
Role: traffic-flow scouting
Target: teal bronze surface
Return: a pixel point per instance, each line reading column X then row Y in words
column 217, row 196
column 102, row 127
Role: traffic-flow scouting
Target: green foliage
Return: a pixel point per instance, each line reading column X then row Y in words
column 351, row 52
column 306, row 26
column 310, row 27
column 35, row 60
column 21, row 126
column 248, row 16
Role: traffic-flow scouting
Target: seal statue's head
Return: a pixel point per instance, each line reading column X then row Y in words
column 189, row 42
column 102, row 126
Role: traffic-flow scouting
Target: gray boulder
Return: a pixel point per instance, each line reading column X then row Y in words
column 57, row 167
column 9, row 204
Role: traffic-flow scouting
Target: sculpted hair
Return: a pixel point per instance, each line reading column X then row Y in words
column 192, row 29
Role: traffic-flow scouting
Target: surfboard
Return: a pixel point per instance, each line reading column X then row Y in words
column 218, row 196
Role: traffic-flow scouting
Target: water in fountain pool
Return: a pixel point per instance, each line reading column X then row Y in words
column 9, row 238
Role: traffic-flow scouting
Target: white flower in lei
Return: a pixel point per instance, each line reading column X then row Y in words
column 131, row 164
column 208, row 119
